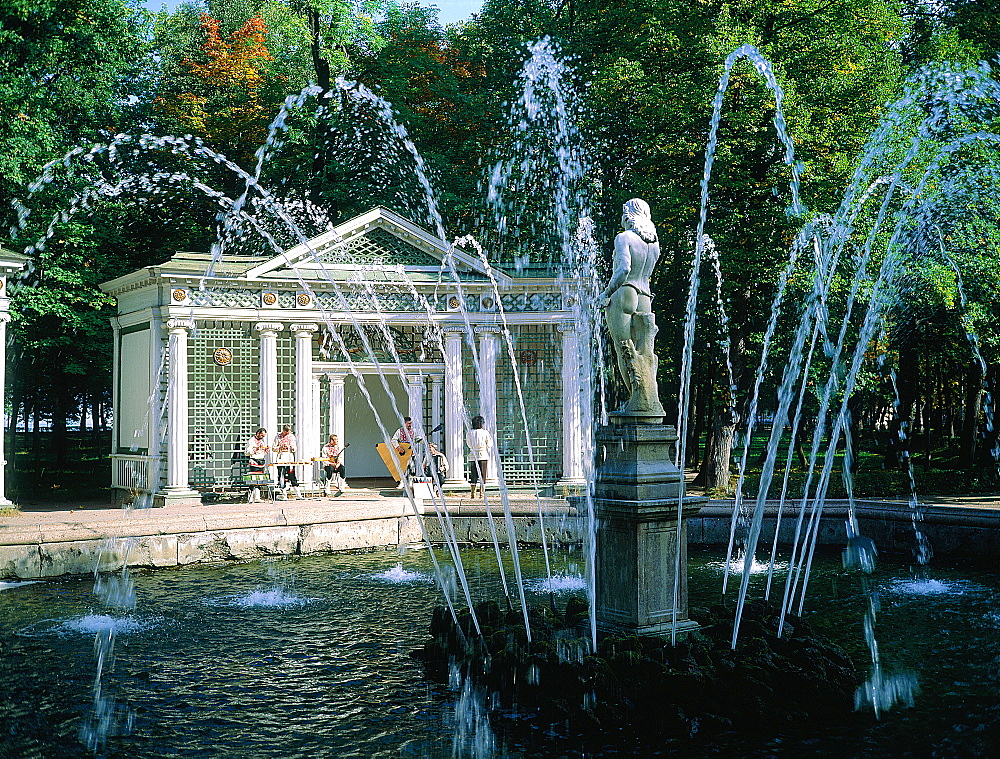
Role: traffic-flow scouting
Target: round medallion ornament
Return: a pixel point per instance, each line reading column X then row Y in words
column 223, row 356
column 487, row 303
column 528, row 358
column 453, row 302
column 303, row 299
column 269, row 299
column 179, row 295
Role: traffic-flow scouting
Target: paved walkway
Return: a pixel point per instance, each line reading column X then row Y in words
column 360, row 502
column 95, row 517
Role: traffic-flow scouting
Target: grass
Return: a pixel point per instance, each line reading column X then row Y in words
column 871, row 479
column 33, row 477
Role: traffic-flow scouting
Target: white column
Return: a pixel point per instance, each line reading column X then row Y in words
column 157, row 367
column 573, row 400
column 4, row 318
column 337, row 406
column 177, row 488
column 488, row 345
column 415, row 402
column 304, row 398
column 415, row 410
column 268, row 388
column 436, row 382
column 454, row 437
column 317, row 440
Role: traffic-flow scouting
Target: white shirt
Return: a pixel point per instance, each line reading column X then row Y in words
column 402, row 435
column 480, row 444
column 285, row 447
column 256, row 448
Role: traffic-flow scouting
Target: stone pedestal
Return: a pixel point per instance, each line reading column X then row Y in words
column 636, row 499
column 176, row 497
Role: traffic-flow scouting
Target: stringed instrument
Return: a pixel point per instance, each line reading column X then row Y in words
column 331, row 460
column 391, row 458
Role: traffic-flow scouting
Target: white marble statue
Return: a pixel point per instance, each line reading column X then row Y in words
column 627, row 302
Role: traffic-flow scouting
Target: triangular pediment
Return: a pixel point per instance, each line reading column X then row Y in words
column 377, row 240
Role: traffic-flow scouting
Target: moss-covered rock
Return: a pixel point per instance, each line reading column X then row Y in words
column 670, row 691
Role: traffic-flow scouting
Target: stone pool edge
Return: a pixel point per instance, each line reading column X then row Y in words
column 67, row 544
column 953, row 530
column 51, row 547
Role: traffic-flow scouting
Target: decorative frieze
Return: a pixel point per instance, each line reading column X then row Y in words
column 374, row 297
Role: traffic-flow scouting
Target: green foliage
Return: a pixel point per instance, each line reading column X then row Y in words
column 67, row 70
column 645, row 73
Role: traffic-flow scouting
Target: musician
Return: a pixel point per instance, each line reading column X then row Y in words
column 333, row 465
column 436, row 467
column 403, row 436
column 256, row 449
column 284, row 446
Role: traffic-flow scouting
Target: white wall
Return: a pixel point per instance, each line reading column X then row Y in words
column 133, row 422
column 360, row 428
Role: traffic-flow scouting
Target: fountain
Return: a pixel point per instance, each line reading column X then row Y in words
column 637, row 608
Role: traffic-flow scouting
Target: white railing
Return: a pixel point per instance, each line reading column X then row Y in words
column 132, row 473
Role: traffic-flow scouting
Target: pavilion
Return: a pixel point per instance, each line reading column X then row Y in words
column 11, row 265
column 366, row 323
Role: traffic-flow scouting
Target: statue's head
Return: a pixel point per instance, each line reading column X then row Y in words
column 637, row 217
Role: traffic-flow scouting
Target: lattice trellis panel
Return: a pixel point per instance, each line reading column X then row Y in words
column 159, row 477
column 397, row 300
column 428, row 409
column 286, row 384
column 378, row 247
column 539, row 366
column 412, row 344
column 222, row 404
column 226, row 298
column 324, row 411
column 532, row 301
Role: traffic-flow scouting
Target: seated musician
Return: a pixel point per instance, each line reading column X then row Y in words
column 403, row 441
column 256, row 449
column 333, row 465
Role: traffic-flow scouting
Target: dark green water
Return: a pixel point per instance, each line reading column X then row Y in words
column 310, row 658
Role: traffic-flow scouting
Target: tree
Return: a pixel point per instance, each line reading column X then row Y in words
column 70, row 71
column 226, row 92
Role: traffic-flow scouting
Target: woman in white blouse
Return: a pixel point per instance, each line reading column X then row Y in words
column 480, row 451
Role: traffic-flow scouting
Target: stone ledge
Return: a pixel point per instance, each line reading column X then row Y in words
column 244, row 536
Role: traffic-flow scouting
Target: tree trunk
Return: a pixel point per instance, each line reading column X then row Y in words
column 59, row 439
column 16, row 398
column 36, row 440
column 972, row 406
column 987, row 456
column 719, row 455
column 708, row 410
column 320, row 64
column 694, row 429
column 97, row 422
column 323, row 78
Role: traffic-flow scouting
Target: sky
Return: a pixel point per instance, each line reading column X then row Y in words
column 451, row 10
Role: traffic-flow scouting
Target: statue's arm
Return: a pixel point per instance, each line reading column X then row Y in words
column 623, row 267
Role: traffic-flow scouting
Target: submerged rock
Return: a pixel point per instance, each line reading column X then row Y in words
column 558, row 683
